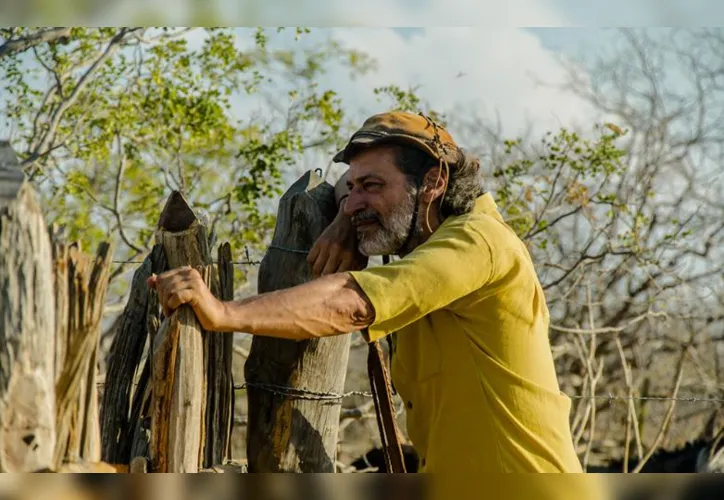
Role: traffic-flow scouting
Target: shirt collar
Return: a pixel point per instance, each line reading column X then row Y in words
column 485, row 204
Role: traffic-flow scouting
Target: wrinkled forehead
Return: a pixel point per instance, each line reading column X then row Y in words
column 380, row 162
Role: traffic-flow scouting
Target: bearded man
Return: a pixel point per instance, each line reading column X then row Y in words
column 473, row 361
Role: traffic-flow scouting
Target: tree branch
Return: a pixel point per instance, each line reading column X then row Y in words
column 57, row 115
column 24, row 43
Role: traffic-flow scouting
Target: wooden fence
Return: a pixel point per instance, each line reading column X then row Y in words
column 167, row 403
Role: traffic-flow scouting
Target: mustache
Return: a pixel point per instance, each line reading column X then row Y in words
column 363, row 217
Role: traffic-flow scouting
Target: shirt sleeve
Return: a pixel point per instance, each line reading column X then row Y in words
column 455, row 261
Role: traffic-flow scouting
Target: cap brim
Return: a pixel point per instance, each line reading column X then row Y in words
column 357, row 143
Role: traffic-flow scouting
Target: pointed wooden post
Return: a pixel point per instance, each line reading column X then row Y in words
column 177, row 367
column 190, row 369
column 286, row 433
column 27, row 325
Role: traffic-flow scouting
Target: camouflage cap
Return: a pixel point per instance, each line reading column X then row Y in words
column 398, row 127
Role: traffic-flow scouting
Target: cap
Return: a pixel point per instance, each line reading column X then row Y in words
column 399, row 127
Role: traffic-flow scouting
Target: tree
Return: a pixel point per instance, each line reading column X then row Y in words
column 108, row 121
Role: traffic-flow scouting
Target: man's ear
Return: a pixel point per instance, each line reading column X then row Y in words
column 433, row 184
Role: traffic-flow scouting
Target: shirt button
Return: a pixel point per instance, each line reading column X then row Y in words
column 409, row 405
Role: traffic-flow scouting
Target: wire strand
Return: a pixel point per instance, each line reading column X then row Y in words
column 308, row 394
column 247, row 262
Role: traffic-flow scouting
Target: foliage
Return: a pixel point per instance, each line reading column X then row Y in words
column 109, row 121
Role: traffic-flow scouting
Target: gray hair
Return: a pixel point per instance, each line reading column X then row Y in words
column 464, row 181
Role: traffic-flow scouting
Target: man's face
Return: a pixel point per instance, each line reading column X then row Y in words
column 381, row 201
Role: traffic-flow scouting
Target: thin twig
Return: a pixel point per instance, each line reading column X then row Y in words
column 631, row 416
column 610, row 329
column 591, row 359
column 665, row 424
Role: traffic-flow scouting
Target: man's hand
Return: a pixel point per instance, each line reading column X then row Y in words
column 185, row 285
column 335, row 251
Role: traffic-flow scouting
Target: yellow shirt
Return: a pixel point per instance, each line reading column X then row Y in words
column 473, row 361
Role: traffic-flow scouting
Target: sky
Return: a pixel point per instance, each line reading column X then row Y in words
column 482, row 64
column 481, row 13
column 483, row 70
column 483, row 58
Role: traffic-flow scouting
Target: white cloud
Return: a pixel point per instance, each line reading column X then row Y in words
column 483, row 71
column 475, row 69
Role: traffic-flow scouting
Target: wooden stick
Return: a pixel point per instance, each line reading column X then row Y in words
column 163, row 372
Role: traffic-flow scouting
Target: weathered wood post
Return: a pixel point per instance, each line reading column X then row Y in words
column 218, row 349
column 190, row 368
column 286, row 432
column 177, row 367
column 27, row 325
column 60, row 285
column 123, row 437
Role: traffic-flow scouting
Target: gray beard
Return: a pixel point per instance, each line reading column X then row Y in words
column 389, row 238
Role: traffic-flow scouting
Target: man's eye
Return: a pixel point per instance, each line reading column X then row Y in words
column 372, row 184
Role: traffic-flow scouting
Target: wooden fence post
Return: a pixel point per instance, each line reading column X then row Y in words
column 124, row 403
column 218, row 351
column 27, row 325
column 196, row 364
column 287, row 433
column 60, row 285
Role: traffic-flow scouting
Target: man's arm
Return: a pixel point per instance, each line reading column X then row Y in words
column 331, row 305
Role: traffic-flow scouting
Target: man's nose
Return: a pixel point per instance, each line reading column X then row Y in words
column 354, row 204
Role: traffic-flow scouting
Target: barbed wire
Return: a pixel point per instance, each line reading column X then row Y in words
column 296, row 393
column 311, row 395
column 248, row 261
column 686, row 399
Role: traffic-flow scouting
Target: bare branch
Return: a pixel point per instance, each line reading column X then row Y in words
column 594, row 331
column 45, row 143
column 667, row 419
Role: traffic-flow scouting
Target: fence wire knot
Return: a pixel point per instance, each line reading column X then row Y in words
column 291, row 392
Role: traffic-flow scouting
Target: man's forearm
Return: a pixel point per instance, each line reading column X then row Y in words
column 331, row 305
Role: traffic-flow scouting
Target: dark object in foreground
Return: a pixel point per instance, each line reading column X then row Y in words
column 703, row 455
column 375, row 459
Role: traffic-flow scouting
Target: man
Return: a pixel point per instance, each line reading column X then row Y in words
column 472, row 361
